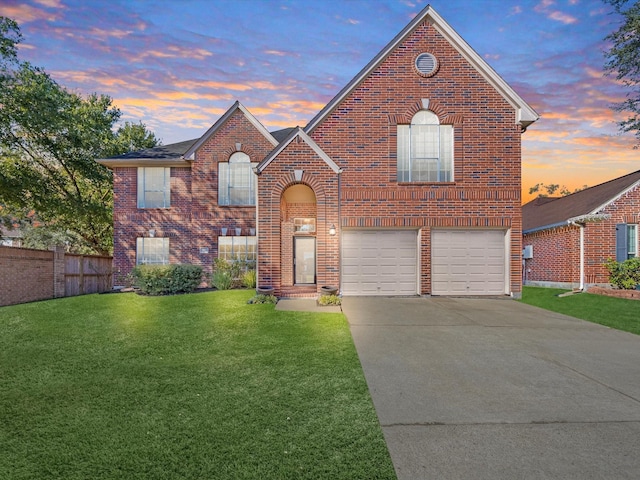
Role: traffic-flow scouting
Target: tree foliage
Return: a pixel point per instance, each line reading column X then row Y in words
column 623, row 61
column 544, row 190
column 49, row 140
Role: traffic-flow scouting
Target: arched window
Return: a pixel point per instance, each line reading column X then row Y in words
column 425, row 149
column 237, row 181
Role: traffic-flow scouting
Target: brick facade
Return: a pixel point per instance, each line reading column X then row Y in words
column 194, row 220
column 349, row 161
column 556, row 251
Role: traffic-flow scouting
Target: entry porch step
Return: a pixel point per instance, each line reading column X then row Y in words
column 306, row 291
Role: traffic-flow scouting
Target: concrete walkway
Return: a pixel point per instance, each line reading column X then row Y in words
column 305, row 305
column 495, row 389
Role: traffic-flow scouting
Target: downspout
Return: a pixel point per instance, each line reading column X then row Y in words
column 581, row 225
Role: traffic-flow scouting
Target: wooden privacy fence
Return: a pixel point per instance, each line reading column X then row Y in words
column 28, row 275
column 86, row 274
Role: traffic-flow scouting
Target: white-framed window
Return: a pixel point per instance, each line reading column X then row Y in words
column 154, row 187
column 237, row 181
column 238, row 248
column 425, row 149
column 152, row 251
column 304, row 225
column 632, row 240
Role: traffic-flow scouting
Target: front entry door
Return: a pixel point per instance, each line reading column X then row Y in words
column 304, row 259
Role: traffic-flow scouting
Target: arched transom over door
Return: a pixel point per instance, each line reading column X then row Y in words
column 298, row 228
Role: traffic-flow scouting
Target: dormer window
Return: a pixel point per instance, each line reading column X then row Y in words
column 425, row 149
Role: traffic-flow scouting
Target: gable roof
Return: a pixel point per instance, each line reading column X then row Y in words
column 525, row 115
column 161, row 156
column 297, row 133
column 544, row 213
column 190, row 154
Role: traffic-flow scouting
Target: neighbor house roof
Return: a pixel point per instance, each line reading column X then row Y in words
column 544, row 213
column 525, row 115
column 171, row 155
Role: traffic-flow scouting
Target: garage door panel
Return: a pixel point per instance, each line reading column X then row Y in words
column 468, row 262
column 379, row 262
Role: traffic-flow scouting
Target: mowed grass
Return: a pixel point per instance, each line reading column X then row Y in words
column 618, row 313
column 199, row 386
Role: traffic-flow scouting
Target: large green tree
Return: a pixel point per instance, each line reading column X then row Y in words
column 623, row 61
column 49, row 140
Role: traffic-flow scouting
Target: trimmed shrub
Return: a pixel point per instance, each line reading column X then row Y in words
column 167, row 279
column 325, row 300
column 259, row 299
column 624, row 275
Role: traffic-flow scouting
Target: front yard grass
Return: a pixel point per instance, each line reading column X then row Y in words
column 618, row 313
column 192, row 386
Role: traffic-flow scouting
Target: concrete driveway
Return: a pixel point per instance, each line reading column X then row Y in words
column 495, row 389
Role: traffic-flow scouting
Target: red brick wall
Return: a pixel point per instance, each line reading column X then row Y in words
column 360, row 136
column 25, row 275
column 556, row 256
column 557, row 251
column 194, row 220
column 275, row 258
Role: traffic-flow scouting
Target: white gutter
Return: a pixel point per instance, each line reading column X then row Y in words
column 580, row 221
column 581, row 225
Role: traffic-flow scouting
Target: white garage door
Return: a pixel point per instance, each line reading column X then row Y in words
column 379, row 262
column 468, row 262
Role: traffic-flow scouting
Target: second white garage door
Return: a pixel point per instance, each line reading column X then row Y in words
column 468, row 262
column 379, row 262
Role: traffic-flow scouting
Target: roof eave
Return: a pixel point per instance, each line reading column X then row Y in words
column 298, row 132
column 564, row 223
column 143, row 162
column 615, row 198
column 190, row 154
column 525, row 115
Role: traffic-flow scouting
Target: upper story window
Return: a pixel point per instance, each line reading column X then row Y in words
column 154, row 187
column 152, row 251
column 425, row 150
column 237, row 181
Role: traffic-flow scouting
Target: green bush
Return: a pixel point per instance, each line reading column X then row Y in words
column 167, row 279
column 236, row 274
column 329, row 300
column 624, row 275
column 249, row 279
column 222, row 280
column 263, row 299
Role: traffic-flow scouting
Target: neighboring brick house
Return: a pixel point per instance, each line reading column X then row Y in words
column 567, row 240
column 407, row 182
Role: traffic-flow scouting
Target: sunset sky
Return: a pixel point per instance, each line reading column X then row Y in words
column 178, row 65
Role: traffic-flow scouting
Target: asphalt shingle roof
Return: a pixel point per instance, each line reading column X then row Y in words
column 548, row 212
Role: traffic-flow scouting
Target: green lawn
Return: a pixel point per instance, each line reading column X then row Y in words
column 199, row 386
column 618, row 313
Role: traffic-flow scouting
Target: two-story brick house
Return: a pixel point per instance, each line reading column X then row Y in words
column 407, row 182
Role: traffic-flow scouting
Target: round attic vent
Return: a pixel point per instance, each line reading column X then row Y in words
column 426, row 64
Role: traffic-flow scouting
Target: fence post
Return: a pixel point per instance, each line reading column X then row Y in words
column 58, row 271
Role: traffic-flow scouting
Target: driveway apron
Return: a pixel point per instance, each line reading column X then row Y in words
column 496, row 389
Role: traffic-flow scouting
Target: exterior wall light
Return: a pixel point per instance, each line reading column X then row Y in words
column 332, row 230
